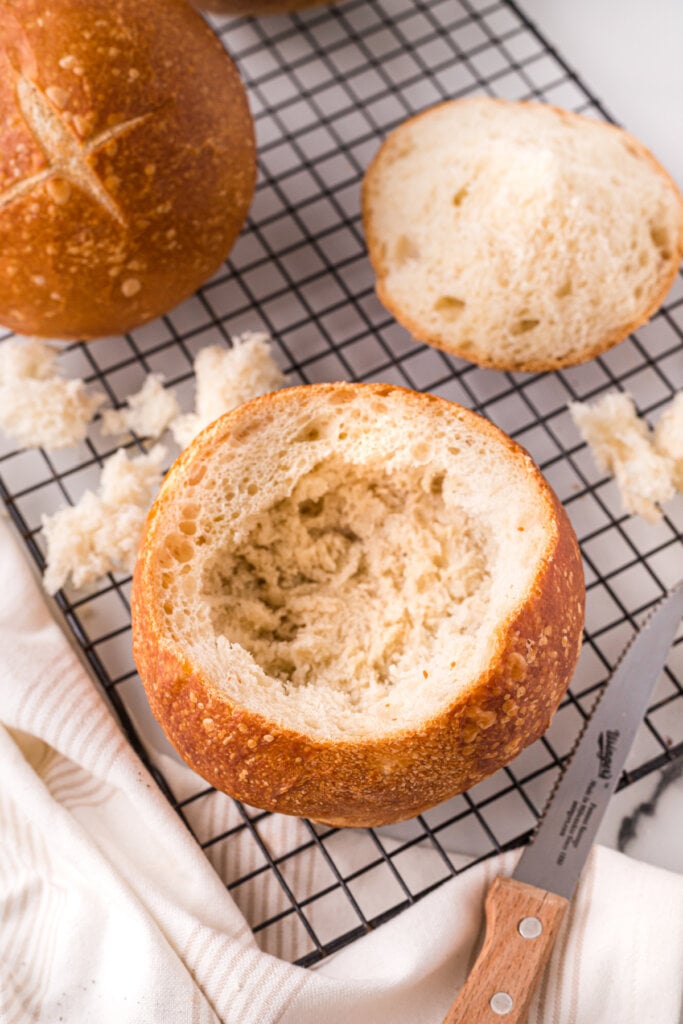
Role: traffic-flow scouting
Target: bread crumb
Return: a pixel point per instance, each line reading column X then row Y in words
column 101, row 533
column 149, row 411
column 226, row 378
column 621, row 445
column 668, row 439
column 39, row 408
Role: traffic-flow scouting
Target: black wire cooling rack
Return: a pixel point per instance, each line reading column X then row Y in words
column 325, row 87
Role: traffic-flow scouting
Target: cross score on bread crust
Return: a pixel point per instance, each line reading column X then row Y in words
column 66, row 154
column 115, row 161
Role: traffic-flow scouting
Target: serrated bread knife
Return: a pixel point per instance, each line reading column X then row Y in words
column 524, row 913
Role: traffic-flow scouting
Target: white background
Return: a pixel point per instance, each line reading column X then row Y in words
column 630, row 54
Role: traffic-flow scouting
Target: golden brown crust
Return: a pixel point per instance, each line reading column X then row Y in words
column 370, row 781
column 161, row 136
column 651, row 302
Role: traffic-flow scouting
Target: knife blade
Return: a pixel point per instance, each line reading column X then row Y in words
column 524, row 912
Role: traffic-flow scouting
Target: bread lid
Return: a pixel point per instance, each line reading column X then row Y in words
column 518, row 235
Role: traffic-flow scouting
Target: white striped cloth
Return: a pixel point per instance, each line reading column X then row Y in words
column 110, row 913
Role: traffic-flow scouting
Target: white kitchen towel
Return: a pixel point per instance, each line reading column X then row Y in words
column 110, row 913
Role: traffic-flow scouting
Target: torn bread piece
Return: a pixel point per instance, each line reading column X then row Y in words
column 39, row 407
column 147, row 413
column 621, row 445
column 226, row 378
column 668, row 437
column 101, row 533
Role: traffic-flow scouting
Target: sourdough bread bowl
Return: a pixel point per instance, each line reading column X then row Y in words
column 127, row 162
column 517, row 235
column 352, row 601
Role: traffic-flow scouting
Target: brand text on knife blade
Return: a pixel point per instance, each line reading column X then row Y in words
column 606, row 743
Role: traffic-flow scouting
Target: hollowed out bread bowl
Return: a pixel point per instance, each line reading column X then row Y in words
column 517, row 235
column 353, row 601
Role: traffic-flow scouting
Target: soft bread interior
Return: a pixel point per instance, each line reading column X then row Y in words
column 342, row 563
column 515, row 234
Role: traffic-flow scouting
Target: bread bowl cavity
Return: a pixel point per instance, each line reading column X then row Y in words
column 335, row 576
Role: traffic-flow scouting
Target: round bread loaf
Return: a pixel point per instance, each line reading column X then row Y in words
column 127, row 162
column 517, row 235
column 353, row 601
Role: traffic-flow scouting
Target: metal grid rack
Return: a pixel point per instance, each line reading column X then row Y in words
column 325, row 86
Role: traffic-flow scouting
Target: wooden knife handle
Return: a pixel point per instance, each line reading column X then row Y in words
column 522, row 923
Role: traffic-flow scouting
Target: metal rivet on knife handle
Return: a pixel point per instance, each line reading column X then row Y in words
column 501, row 1003
column 530, row 927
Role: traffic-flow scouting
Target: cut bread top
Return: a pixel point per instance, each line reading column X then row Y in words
column 344, row 559
column 518, row 235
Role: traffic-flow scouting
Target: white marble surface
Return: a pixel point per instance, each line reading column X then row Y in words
column 630, row 54
column 646, row 819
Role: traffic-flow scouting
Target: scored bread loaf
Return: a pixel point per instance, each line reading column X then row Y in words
column 517, row 235
column 127, row 162
column 352, row 601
